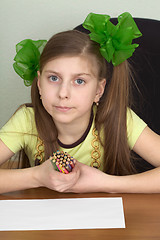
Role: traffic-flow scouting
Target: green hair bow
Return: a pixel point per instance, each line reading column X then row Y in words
column 115, row 40
column 27, row 59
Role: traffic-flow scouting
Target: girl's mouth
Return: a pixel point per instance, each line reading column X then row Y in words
column 63, row 109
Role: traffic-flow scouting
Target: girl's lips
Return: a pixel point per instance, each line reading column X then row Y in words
column 62, row 109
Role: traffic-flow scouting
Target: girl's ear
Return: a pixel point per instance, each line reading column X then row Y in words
column 38, row 82
column 100, row 89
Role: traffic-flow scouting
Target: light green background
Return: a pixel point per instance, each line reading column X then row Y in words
column 40, row 19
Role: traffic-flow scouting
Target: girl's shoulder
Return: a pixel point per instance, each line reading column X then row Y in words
column 21, row 120
column 18, row 132
column 133, row 118
column 25, row 111
column 135, row 126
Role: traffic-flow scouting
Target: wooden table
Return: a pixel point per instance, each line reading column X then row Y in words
column 142, row 216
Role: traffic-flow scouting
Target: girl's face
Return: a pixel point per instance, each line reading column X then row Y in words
column 68, row 87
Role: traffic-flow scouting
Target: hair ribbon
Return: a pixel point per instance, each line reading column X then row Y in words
column 115, row 40
column 27, row 59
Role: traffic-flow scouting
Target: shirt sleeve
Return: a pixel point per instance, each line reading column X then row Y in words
column 14, row 131
column 135, row 126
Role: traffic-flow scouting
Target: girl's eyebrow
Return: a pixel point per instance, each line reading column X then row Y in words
column 76, row 74
column 79, row 74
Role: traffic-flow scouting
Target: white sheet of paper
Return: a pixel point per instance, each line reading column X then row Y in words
column 60, row 214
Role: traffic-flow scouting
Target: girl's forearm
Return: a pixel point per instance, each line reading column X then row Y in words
column 94, row 180
column 43, row 175
column 147, row 182
column 17, row 179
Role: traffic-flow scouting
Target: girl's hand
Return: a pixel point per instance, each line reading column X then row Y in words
column 90, row 180
column 46, row 176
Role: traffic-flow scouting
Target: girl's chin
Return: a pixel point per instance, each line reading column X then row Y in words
column 62, row 120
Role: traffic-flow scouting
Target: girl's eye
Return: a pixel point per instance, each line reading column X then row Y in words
column 79, row 81
column 53, row 78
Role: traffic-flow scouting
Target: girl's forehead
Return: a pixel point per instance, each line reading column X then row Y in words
column 77, row 63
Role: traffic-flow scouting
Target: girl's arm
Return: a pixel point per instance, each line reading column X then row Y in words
column 148, row 147
column 14, row 179
column 5, row 153
column 43, row 175
column 93, row 180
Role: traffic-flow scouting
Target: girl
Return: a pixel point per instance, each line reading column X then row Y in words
column 80, row 105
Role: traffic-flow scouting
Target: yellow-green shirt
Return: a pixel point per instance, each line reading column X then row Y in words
column 20, row 133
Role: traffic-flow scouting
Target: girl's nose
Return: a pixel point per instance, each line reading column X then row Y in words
column 64, row 91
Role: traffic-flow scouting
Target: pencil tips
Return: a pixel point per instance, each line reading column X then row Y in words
column 62, row 162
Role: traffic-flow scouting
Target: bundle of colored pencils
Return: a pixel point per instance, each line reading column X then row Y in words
column 62, row 162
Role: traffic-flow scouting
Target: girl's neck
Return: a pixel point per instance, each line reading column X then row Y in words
column 71, row 133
